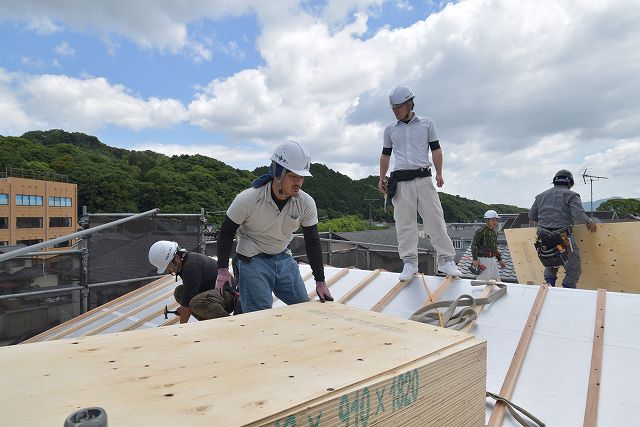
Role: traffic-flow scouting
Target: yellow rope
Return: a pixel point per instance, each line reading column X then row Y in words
column 432, row 301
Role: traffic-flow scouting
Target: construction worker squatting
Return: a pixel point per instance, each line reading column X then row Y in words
column 197, row 295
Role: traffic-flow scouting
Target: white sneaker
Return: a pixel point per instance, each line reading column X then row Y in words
column 408, row 272
column 450, row 269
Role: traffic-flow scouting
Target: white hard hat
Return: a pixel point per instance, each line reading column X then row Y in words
column 293, row 157
column 490, row 214
column 400, row 94
column 161, row 253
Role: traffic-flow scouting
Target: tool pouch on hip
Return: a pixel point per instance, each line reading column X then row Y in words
column 392, row 186
column 553, row 247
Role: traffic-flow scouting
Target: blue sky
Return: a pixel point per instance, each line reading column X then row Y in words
column 518, row 90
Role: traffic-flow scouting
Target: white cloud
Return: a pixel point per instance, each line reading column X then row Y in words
column 403, row 5
column 43, row 25
column 517, row 89
column 32, row 62
column 199, row 52
column 55, row 101
column 13, row 119
column 64, row 49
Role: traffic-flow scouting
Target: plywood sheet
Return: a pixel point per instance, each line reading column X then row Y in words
column 608, row 256
column 308, row 360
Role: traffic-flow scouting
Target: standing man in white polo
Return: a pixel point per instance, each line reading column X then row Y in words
column 266, row 216
column 410, row 186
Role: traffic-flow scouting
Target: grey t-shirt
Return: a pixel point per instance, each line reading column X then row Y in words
column 263, row 227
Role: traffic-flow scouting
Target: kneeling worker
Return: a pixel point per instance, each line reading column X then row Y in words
column 197, row 295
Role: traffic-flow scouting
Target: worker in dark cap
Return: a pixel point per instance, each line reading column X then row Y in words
column 556, row 211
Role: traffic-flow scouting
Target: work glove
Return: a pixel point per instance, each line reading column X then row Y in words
column 323, row 292
column 224, row 276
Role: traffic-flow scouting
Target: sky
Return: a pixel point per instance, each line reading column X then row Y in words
column 518, row 89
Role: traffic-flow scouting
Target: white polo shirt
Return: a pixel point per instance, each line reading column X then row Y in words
column 263, row 227
column 410, row 142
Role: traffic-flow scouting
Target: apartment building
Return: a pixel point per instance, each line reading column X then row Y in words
column 36, row 207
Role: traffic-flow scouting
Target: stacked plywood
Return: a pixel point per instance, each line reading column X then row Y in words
column 306, row 365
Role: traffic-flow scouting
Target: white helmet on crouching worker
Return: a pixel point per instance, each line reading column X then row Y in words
column 491, row 214
column 399, row 95
column 161, row 254
column 291, row 157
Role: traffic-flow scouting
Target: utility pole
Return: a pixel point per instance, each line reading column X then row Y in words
column 591, row 178
column 370, row 219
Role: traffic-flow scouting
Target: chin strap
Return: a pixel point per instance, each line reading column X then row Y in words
column 284, row 171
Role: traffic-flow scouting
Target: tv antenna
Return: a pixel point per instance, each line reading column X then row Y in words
column 591, row 178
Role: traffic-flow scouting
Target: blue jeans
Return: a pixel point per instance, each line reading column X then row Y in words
column 261, row 276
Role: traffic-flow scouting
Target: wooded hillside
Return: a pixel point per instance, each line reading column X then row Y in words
column 117, row 180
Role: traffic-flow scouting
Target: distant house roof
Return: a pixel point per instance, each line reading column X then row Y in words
column 508, row 222
column 522, row 220
column 507, row 274
column 386, row 236
column 463, row 233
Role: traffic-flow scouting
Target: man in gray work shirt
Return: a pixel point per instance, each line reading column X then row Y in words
column 556, row 210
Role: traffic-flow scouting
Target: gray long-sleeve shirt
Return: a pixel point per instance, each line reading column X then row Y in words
column 558, row 207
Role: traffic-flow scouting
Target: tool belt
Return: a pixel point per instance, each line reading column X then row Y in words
column 553, row 246
column 260, row 255
column 405, row 175
column 486, row 253
column 250, row 258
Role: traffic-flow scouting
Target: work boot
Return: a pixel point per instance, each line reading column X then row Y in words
column 450, row 269
column 408, row 272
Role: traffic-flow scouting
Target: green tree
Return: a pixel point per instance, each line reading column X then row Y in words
column 622, row 206
column 344, row 223
column 117, row 180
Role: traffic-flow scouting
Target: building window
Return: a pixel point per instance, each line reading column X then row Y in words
column 4, row 199
column 4, row 243
column 60, row 201
column 28, row 242
column 457, row 244
column 4, row 222
column 55, row 221
column 28, row 200
column 64, row 244
column 29, row 222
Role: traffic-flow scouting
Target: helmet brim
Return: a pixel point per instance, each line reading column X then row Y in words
column 301, row 173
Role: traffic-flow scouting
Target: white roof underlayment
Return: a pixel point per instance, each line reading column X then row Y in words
column 554, row 379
